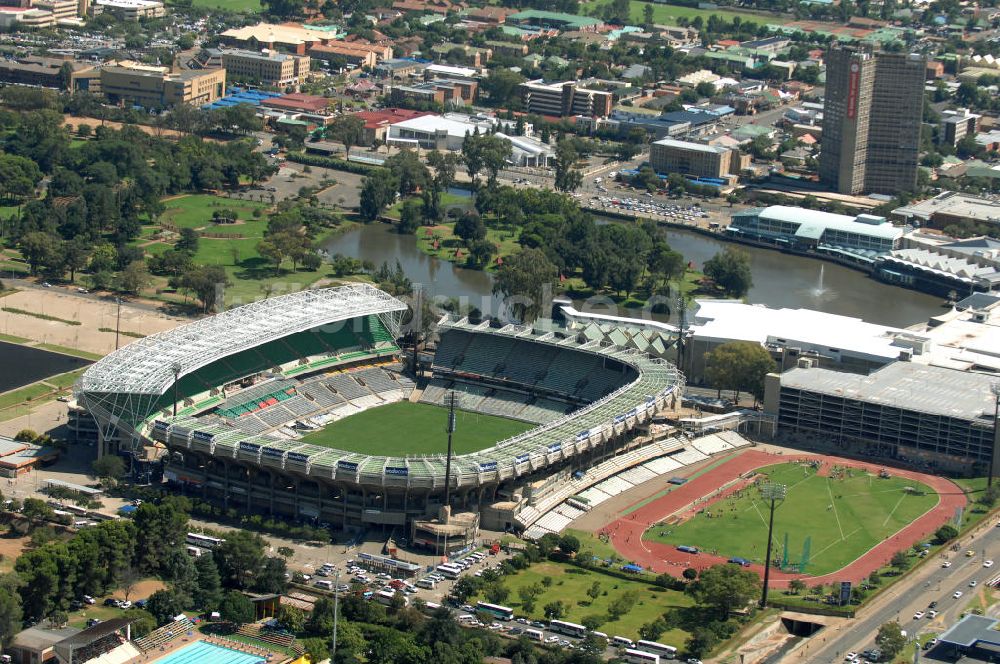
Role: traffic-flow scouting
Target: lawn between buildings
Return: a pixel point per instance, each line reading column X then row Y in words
column 843, row 517
column 414, row 428
column 570, row 584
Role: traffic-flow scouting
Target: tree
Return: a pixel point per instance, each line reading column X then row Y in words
column 240, row 559
column 739, row 366
column 622, row 604
column 690, row 573
column 526, row 280
column 208, row 282
column 349, row 130
column 411, row 216
column 594, row 591
column 990, row 496
column 110, row 468
column 134, row 278
column 569, row 544
column 237, row 608
column 502, row 86
column 725, row 588
column 378, row 191
column 291, row 619
column 75, row 256
column 568, row 177
column 647, row 14
column 470, row 227
column 730, row 270
column 796, row 586
column 554, row 610
column 497, row 593
column 208, row 593
column 890, row 640
column 188, row 241
column 38, row 248
column 409, row 173
column 10, row 609
column 899, row 561
column 485, row 153
column 945, row 533
column 164, row 605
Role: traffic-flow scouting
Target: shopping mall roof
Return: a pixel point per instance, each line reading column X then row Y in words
column 148, row 366
column 812, row 223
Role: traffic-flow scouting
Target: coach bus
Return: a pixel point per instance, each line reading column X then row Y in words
column 640, row 657
column 204, row 541
column 449, row 571
column 568, row 628
column 501, row 612
column 663, row 650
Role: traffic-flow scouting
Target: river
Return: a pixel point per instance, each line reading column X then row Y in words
column 779, row 279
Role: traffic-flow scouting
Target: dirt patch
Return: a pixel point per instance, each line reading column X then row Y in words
column 10, row 548
column 141, row 590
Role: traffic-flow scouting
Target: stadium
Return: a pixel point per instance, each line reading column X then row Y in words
column 299, row 407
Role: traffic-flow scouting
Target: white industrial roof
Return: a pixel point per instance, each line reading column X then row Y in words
column 728, row 320
column 525, row 144
column 147, row 366
column 432, row 123
column 448, row 69
column 688, row 145
column 829, row 220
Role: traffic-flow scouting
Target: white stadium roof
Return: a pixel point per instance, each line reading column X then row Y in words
column 147, row 366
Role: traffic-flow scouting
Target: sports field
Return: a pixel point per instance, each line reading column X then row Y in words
column 668, row 14
column 414, row 428
column 842, row 514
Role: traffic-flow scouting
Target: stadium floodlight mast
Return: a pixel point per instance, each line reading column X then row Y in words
column 773, row 493
column 995, row 390
column 452, row 403
column 176, row 368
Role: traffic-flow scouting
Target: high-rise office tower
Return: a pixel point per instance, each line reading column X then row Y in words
column 871, row 120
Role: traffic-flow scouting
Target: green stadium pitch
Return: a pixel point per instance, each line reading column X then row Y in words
column 403, row 428
column 825, row 522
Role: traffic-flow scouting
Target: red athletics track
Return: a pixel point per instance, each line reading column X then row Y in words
column 626, row 533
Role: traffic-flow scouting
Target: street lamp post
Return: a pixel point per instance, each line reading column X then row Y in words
column 336, row 598
column 773, row 493
column 118, row 320
column 995, row 389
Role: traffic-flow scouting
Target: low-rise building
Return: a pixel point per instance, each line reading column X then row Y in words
column 61, row 9
column 443, row 132
column 906, row 411
column 442, row 92
column 287, row 37
column 669, row 155
column 957, row 124
column 462, row 54
column 958, row 267
column 265, row 67
column 356, row 54
column 25, row 18
column 158, row 87
column 542, row 20
column 130, row 10
column 377, row 122
column 399, row 69
column 565, row 99
column 48, row 73
column 861, row 239
column 949, row 208
column 298, row 102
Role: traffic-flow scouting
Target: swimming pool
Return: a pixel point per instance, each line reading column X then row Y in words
column 208, row 653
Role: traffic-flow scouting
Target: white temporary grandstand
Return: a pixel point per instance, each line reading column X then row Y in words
column 619, row 474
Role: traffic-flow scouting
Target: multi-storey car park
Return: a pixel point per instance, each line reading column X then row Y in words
column 225, row 402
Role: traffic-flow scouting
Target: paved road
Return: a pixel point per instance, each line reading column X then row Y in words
column 932, row 583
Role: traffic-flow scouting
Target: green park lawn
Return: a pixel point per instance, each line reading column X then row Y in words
column 843, row 518
column 669, row 14
column 570, row 584
column 229, row 5
column 248, row 272
column 414, row 428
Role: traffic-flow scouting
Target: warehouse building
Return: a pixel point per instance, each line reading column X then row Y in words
column 940, row 417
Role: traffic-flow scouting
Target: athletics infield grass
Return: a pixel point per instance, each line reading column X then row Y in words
column 843, row 517
column 414, row 428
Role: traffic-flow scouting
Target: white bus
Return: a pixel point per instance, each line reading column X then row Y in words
column 622, row 642
column 640, row 657
column 568, row 628
column 449, row 571
column 663, row 650
column 204, row 541
column 430, row 607
column 386, row 598
column 495, row 610
column 429, row 584
column 533, row 634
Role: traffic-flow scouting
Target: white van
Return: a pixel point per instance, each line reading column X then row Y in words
column 324, row 584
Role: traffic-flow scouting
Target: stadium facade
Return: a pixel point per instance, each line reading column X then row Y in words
column 225, row 401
